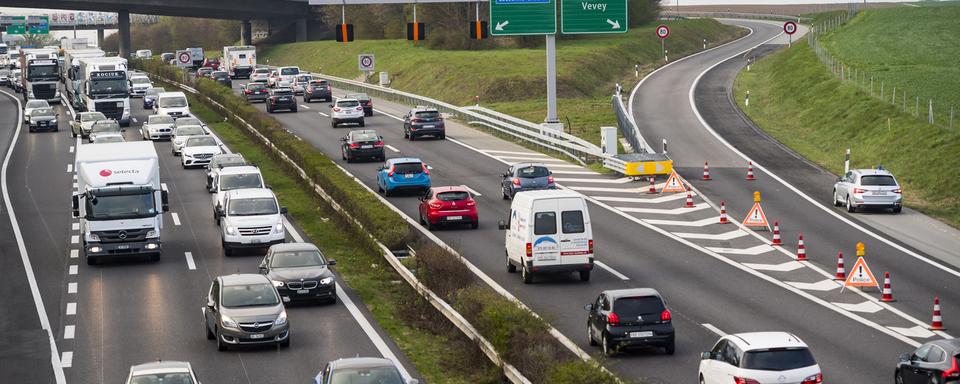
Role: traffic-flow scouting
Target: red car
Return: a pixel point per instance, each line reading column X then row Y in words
column 448, row 205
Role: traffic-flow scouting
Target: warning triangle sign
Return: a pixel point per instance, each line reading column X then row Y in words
column 756, row 218
column 860, row 275
column 673, row 184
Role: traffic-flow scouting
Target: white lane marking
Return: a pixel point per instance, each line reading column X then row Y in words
column 134, row 119
column 74, row 186
column 622, row 180
column 74, row 253
column 611, row 270
column 864, row 307
column 782, row 267
column 71, row 309
column 72, row 288
column 916, row 331
column 713, row 329
column 176, row 218
column 736, row 233
column 69, row 168
column 589, row 173
column 667, row 211
column 190, row 264
column 67, row 360
column 75, row 226
column 752, row 251
column 323, row 114
column 69, row 331
column 304, row 106
column 72, row 148
column 681, row 223
column 74, row 177
column 514, row 153
column 163, row 186
column 473, row 192
column 546, row 160
column 387, row 114
column 73, row 269
column 390, row 147
column 822, row 285
column 605, row 189
column 74, row 239
column 651, row 200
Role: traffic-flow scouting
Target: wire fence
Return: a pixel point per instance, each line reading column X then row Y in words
column 936, row 113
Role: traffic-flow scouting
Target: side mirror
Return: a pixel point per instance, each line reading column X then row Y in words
column 165, row 201
column 381, row 137
column 211, row 304
column 219, row 212
column 262, row 269
column 343, row 138
column 283, row 210
column 503, row 226
column 706, row 355
column 331, row 262
column 905, row 357
column 588, row 307
column 76, row 205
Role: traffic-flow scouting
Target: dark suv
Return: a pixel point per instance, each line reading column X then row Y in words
column 281, row 98
column 222, row 77
column 423, row 121
column 317, row 89
column 629, row 318
column 255, row 92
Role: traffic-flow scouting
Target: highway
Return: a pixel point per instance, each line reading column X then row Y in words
column 108, row 317
column 708, row 294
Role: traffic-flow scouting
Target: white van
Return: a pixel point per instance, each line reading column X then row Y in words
column 172, row 103
column 549, row 231
column 251, row 218
column 144, row 54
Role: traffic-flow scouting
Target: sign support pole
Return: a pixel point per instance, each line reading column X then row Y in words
column 552, row 80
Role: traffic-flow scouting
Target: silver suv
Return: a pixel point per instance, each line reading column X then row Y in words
column 868, row 188
column 245, row 309
column 162, row 372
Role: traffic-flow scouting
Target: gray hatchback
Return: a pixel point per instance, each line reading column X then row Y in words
column 361, row 370
column 245, row 309
column 525, row 177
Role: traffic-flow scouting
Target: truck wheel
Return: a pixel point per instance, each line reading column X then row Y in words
column 584, row 276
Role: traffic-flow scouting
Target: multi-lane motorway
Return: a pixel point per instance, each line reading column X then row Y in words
column 108, row 317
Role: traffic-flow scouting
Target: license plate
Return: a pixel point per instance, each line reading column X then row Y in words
column 878, row 193
column 255, row 241
column 284, row 99
column 119, row 104
column 641, row 334
column 429, row 126
column 546, row 257
column 303, row 291
column 123, row 246
column 408, row 176
column 366, row 146
column 256, row 336
column 454, row 217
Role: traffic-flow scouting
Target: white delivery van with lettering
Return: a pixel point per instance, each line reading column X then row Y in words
column 549, row 232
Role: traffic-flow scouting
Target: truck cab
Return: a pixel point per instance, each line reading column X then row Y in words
column 40, row 74
column 105, row 87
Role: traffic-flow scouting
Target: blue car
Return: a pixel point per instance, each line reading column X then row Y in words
column 150, row 97
column 406, row 174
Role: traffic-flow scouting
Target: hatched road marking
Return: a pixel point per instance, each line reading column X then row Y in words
column 663, row 211
column 652, row 200
column 753, row 251
column 681, row 223
column 864, row 307
column 736, row 233
column 915, row 331
column 822, row 285
column 783, row 267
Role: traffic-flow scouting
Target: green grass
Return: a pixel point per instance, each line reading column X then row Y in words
column 798, row 101
column 438, row 358
column 914, row 48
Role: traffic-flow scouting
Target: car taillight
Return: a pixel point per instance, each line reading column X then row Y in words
column 516, row 181
column 378, row 144
column 414, row 121
column 613, row 319
column 954, row 371
column 665, row 315
column 859, row 190
column 359, row 108
column 425, row 170
column 529, row 250
column 897, row 191
column 590, row 245
column 390, row 174
column 247, row 91
column 744, row 380
column 471, row 203
column 436, row 205
column 369, row 103
column 354, row 145
column 336, row 109
column 813, row 379
column 549, row 179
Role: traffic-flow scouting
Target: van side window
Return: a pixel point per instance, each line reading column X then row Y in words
column 572, row 221
column 545, row 223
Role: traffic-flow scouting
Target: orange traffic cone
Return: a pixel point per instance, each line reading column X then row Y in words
column 689, row 202
column 801, row 250
column 750, row 171
column 653, row 188
column 841, row 271
column 887, row 295
column 723, row 213
column 706, row 171
column 937, row 323
column 776, row 234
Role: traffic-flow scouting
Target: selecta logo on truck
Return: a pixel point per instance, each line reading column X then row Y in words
column 105, row 173
column 108, row 173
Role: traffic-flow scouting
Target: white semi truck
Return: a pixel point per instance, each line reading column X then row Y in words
column 105, row 87
column 239, row 61
column 119, row 200
column 72, row 77
column 40, row 72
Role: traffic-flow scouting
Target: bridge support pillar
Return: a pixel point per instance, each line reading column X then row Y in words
column 246, row 33
column 100, row 37
column 301, row 30
column 123, row 22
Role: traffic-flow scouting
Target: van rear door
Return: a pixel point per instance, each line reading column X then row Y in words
column 545, row 243
column 575, row 235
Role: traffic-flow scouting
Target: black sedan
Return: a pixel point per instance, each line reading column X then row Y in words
column 362, row 144
column 300, row 272
column 934, row 362
column 222, row 77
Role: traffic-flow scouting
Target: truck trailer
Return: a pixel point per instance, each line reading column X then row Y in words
column 72, row 76
column 240, row 61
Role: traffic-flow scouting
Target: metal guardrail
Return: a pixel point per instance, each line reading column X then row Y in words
column 742, row 15
column 628, row 127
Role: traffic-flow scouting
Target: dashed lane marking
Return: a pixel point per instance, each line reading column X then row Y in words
column 622, row 180
column 611, row 270
column 71, row 309
column 390, row 147
column 190, row 264
column 472, row 191
column 545, row 160
column 73, row 269
column 72, row 288
column 69, row 168
column 75, row 226
column 67, row 360
column 323, row 114
column 176, row 218
column 713, row 329
column 74, row 253
column 72, row 148
column 69, row 331
column 74, row 239
column 304, row 106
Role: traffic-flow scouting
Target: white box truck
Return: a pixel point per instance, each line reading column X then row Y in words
column 105, row 88
column 119, row 200
column 72, row 76
column 239, row 61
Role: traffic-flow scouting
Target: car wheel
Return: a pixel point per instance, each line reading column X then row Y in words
column 503, row 191
column 897, row 378
column 850, row 207
column 590, row 339
column 584, row 276
column 475, row 224
column 442, row 136
column 406, row 134
column 421, row 219
column 510, row 267
column 210, row 335
column 333, row 124
column 897, row 209
column 73, row 133
column 671, row 348
column 227, row 251
column 386, row 192
column 362, row 124
column 836, row 201
column 525, row 275
column 608, row 349
column 221, row 346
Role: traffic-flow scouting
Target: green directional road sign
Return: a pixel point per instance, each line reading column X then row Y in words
column 593, row 16
column 18, row 25
column 38, row 25
column 523, row 17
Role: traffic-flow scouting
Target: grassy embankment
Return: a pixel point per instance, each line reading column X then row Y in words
column 799, row 102
column 513, row 80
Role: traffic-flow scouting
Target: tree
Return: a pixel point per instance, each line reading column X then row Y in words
column 39, row 40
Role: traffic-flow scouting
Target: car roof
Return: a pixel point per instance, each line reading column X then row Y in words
column 250, row 193
column 287, row 247
column 951, row 345
column 91, row 113
column 221, row 156
column 189, row 126
column 172, row 94
column 347, row 99
column 765, row 340
column 423, row 108
column 239, row 169
column 397, row 160
column 160, row 367
column 243, row 278
column 615, row 294
column 873, row 172
column 369, row 131
column 361, row 362
column 283, row 89
column 451, row 188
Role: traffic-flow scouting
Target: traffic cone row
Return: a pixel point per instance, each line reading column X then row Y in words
column 653, row 188
column 801, row 250
column 706, row 171
column 776, row 234
column 750, row 171
column 689, row 202
column 937, row 323
column 887, row 295
column 841, row 271
column 723, row 213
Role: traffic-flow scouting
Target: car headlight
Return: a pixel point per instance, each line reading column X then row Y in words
column 277, row 283
column 326, row 280
column 151, row 233
column 187, row 155
column 231, row 231
column 278, row 228
column 94, row 237
column 228, row 322
column 54, row 122
column 282, row 319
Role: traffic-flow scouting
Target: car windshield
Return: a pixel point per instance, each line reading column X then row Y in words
column 190, row 131
column 407, row 168
column 297, row 259
column 173, row 102
column 201, row 141
column 40, row 112
column 634, row 306
column 243, row 180
column 160, row 119
column 428, row 114
column 255, row 86
column 878, row 180
column 365, row 136
column 249, row 295
column 376, row 375
column 227, row 159
column 108, row 139
column 184, row 121
column 359, row 96
column 120, row 206
column 253, row 207
column 777, row 359
column 289, row 71
column 37, row 104
column 162, row 378
column 453, row 196
column 105, row 126
column 348, row 103
column 261, row 71
column 92, row 116
column 531, row 172
column 150, row 92
column 140, row 80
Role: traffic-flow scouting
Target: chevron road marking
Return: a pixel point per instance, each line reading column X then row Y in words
column 864, row 307
column 721, row 236
column 822, row 285
column 683, row 223
column 784, row 267
column 622, row 180
column 753, row 251
column 917, row 331
column 652, row 200
column 659, row 211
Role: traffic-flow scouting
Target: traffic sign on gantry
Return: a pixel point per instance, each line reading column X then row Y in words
column 523, row 17
column 593, row 16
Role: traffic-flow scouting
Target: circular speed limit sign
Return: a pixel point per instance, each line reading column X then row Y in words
column 789, row 27
column 366, row 61
column 663, row 31
column 184, row 57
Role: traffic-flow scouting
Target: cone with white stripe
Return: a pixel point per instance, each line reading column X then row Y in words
column 653, row 187
column 841, row 271
column 801, row 249
column 750, row 171
column 937, row 323
column 706, row 171
column 689, row 202
column 776, row 234
column 887, row 295
column 723, row 213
